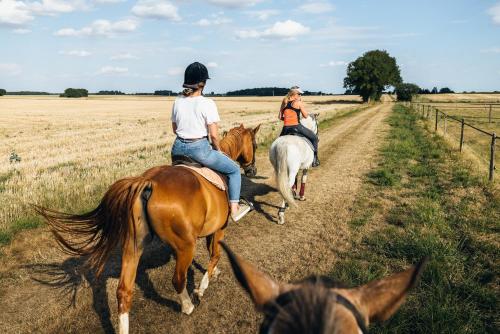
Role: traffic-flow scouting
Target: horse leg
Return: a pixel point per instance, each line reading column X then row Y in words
column 303, row 185
column 294, row 188
column 184, row 258
column 130, row 260
column 212, row 270
column 281, row 213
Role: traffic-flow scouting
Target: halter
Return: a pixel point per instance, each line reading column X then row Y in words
column 271, row 310
column 250, row 166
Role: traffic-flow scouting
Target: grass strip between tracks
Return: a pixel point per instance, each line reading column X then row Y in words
column 423, row 200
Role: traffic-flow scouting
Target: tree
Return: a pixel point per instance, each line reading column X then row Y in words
column 3, row 92
column 405, row 91
column 434, row 90
column 446, row 90
column 75, row 92
column 371, row 73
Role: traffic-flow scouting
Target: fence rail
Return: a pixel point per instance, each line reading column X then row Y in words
column 427, row 109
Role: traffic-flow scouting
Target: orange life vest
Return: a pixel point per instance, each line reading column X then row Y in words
column 290, row 115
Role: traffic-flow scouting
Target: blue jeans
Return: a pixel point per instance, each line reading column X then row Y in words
column 202, row 152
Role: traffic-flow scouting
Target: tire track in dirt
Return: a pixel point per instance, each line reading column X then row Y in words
column 306, row 244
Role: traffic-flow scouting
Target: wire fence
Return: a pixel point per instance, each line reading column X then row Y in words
column 445, row 120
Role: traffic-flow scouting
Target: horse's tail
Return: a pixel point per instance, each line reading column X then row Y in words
column 282, row 174
column 96, row 233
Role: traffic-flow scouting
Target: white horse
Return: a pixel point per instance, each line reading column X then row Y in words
column 288, row 155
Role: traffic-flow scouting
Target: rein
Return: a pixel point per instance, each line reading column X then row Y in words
column 271, row 310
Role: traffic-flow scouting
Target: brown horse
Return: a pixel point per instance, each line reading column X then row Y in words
column 316, row 305
column 173, row 202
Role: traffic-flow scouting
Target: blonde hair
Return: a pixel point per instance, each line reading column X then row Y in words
column 286, row 99
column 190, row 89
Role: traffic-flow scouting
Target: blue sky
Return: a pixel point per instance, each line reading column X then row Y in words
column 141, row 46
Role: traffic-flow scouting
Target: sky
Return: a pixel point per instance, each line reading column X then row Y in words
column 145, row 45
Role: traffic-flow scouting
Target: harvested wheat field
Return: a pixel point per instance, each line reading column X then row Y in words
column 34, row 272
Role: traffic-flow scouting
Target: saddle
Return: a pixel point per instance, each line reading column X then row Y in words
column 208, row 174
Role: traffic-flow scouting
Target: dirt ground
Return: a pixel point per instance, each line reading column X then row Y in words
column 43, row 291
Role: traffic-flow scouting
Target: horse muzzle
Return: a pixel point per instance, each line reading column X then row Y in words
column 250, row 171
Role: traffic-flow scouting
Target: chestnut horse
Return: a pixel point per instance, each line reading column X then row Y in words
column 317, row 305
column 173, row 202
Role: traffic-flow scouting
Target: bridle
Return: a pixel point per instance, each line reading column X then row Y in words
column 251, row 166
column 272, row 309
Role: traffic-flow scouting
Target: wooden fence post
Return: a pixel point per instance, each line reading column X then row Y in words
column 462, row 135
column 489, row 115
column 492, row 156
column 436, row 126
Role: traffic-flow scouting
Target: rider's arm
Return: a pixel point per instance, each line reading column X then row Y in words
column 303, row 110
column 174, row 127
column 214, row 135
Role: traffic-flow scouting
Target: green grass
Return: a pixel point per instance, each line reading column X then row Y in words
column 437, row 207
column 6, row 236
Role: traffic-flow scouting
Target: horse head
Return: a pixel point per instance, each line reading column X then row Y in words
column 241, row 145
column 311, row 122
column 317, row 305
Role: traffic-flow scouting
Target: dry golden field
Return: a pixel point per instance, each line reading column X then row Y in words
column 71, row 150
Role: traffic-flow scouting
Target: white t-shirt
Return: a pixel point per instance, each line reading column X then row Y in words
column 192, row 115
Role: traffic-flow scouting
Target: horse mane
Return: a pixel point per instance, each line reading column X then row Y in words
column 230, row 144
column 306, row 310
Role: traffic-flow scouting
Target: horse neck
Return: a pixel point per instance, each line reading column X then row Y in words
column 309, row 123
column 232, row 145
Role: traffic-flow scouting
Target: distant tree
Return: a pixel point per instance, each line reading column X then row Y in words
column 164, row 92
column 405, row 91
column 110, row 92
column 446, row 90
column 424, row 91
column 75, row 92
column 3, row 92
column 371, row 74
column 434, row 90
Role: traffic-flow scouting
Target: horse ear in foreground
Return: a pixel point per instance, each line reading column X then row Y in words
column 172, row 202
column 316, row 306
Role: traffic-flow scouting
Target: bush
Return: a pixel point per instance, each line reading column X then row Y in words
column 446, row 90
column 3, row 92
column 405, row 91
column 75, row 92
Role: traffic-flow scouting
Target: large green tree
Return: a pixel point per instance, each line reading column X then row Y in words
column 371, row 73
column 3, row 92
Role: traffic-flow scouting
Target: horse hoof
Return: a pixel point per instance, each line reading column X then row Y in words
column 302, row 198
column 187, row 308
column 198, row 293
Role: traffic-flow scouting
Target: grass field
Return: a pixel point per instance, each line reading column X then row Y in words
column 422, row 200
column 71, row 150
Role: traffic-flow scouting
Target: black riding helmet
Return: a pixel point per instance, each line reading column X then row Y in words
column 194, row 74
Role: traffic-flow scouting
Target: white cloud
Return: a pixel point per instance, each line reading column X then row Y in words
column 76, row 53
column 21, row 31
column 282, row 30
column 53, row 7
column 123, row 56
column 234, row 3
column 101, row 28
column 334, row 63
column 105, row 2
column 215, row 21
column 156, row 9
column 212, row 65
column 175, row 71
column 491, row 50
column 112, row 70
column 262, row 14
column 10, row 69
column 495, row 13
column 14, row 12
column 317, row 7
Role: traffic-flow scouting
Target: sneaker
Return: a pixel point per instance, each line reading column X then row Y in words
column 242, row 211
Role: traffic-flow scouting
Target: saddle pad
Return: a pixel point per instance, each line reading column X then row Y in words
column 210, row 175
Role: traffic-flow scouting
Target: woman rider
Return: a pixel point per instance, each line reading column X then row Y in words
column 194, row 118
column 291, row 109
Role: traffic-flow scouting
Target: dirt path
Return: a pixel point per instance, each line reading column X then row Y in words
column 38, row 296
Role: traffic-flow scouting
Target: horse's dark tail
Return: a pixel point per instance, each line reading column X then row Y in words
column 96, row 233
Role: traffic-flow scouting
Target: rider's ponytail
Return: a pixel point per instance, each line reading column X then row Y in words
column 190, row 89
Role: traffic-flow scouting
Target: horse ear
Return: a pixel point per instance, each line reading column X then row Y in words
column 316, row 115
column 261, row 288
column 256, row 129
column 241, row 126
column 224, row 133
column 380, row 299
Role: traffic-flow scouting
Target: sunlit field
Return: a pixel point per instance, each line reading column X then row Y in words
column 71, row 150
